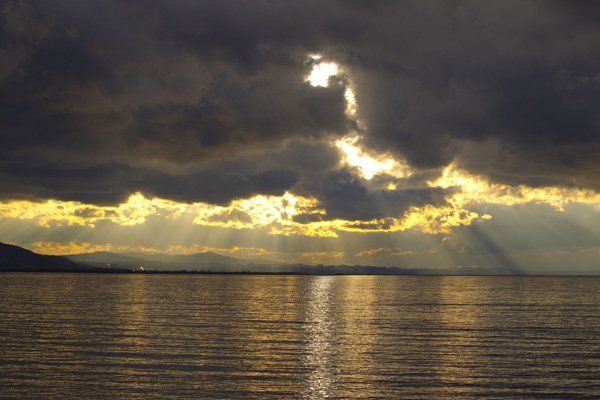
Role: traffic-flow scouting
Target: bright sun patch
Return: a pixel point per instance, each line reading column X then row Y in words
column 321, row 72
column 369, row 164
column 256, row 212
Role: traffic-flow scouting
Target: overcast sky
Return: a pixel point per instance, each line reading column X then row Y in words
column 409, row 133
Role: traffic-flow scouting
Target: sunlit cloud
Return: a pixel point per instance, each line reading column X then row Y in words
column 256, row 212
column 321, row 72
column 49, row 213
column 479, row 190
column 369, row 164
column 351, row 104
column 276, row 214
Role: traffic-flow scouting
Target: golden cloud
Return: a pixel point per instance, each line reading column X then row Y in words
column 277, row 214
column 49, row 213
column 475, row 189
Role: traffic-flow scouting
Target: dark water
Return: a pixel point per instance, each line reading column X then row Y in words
column 277, row 337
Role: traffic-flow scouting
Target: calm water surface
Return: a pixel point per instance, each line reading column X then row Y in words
column 308, row 337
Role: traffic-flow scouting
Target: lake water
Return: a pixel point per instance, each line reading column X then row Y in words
column 300, row 337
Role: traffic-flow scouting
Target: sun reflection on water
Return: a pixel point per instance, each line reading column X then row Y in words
column 320, row 332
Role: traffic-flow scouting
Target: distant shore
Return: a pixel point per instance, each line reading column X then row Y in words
column 319, row 273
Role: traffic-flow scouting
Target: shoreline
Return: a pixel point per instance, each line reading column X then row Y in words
column 184, row 272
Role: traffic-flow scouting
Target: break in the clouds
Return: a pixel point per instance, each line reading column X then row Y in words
column 422, row 111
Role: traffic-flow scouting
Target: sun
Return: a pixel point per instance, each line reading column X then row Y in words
column 321, row 72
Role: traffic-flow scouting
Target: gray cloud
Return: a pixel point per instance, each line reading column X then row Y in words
column 100, row 104
column 205, row 100
column 508, row 89
column 345, row 196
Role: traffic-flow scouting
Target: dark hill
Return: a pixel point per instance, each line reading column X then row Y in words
column 17, row 259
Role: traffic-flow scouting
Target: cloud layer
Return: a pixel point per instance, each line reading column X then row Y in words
column 207, row 102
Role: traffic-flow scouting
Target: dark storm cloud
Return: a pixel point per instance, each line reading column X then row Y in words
column 507, row 89
column 193, row 100
column 345, row 196
column 214, row 182
column 98, row 103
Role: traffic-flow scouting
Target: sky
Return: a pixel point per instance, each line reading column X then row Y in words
column 426, row 134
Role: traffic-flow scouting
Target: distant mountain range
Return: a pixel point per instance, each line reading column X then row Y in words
column 17, row 259
column 205, row 262
column 169, row 262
